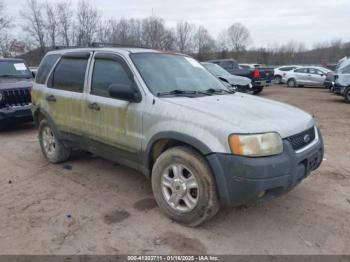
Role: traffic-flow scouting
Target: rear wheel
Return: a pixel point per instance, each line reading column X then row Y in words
column 278, row 80
column 52, row 148
column 347, row 95
column 291, row 83
column 184, row 187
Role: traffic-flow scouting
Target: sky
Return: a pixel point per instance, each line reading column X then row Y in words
column 270, row 22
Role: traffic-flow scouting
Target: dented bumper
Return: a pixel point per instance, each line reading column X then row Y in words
column 241, row 179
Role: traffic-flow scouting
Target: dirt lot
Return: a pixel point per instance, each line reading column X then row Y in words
column 92, row 206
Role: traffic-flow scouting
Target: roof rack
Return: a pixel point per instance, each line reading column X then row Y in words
column 102, row 44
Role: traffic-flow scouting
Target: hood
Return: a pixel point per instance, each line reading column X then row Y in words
column 237, row 80
column 248, row 114
column 13, row 83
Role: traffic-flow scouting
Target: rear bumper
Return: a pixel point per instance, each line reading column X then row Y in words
column 261, row 83
column 242, row 179
column 16, row 114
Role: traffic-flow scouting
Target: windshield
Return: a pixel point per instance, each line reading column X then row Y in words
column 215, row 69
column 14, row 69
column 168, row 72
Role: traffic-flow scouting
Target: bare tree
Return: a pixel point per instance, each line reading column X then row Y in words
column 51, row 22
column 4, row 35
column 235, row 38
column 64, row 22
column 204, row 43
column 34, row 23
column 184, row 37
column 155, row 34
column 88, row 20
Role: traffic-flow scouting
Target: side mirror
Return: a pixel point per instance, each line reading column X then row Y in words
column 124, row 92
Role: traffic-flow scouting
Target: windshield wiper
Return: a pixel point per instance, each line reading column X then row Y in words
column 177, row 92
column 212, row 91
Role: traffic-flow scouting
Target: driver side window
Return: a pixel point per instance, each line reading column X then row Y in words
column 107, row 72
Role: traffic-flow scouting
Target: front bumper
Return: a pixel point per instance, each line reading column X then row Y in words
column 241, row 179
column 16, row 114
column 339, row 89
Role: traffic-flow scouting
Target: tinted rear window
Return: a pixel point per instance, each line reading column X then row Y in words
column 69, row 74
column 45, row 68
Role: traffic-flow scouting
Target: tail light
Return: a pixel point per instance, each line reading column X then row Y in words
column 256, row 74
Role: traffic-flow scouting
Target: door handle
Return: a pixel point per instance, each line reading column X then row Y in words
column 51, row 98
column 94, row 106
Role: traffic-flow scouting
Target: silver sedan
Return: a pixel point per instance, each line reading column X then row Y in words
column 307, row 76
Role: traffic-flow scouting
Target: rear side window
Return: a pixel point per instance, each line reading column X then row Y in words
column 107, row 72
column 227, row 64
column 287, row 68
column 301, row 70
column 69, row 74
column 45, row 68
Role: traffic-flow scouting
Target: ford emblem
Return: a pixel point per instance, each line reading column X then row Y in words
column 307, row 138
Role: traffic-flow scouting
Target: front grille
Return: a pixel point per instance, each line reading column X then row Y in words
column 299, row 141
column 16, row 97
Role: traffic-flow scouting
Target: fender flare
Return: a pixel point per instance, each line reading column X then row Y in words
column 48, row 119
column 186, row 139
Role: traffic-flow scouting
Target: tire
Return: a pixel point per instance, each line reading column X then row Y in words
column 53, row 149
column 170, row 193
column 258, row 90
column 291, row 83
column 347, row 95
column 278, row 80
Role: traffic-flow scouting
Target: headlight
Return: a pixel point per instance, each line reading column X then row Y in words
column 267, row 144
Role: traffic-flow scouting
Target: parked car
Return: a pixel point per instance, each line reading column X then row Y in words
column 331, row 77
column 251, row 66
column 306, row 76
column 281, row 72
column 342, row 81
column 260, row 77
column 15, row 83
column 237, row 83
column 165, row 115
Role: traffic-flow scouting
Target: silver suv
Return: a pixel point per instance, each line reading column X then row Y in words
column 165, row 115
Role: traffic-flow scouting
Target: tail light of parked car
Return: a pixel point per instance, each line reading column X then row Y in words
column 256, row 74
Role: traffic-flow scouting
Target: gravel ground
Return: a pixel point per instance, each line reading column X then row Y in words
column 92, row 206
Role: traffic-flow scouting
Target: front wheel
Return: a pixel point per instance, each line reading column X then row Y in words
column 291, row 83
column 51, row 146
column 258, row 90
column 347, row 95
column 184, row 187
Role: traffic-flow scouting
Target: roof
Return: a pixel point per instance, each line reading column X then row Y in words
column 125, row 50
column 11, row 60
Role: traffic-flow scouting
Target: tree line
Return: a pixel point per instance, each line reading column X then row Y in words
column 48, row 25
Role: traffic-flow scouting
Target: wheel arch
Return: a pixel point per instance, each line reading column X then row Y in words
column 165, row 140
column 40, row 114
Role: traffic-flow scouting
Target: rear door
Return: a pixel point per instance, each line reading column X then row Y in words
column 64, row 97
column 109, row 121
column 301, row 75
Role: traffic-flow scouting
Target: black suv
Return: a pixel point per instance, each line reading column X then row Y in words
column 16, row 80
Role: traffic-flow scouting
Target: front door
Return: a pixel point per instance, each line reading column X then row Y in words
column 316, row 77
column 113, row 123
